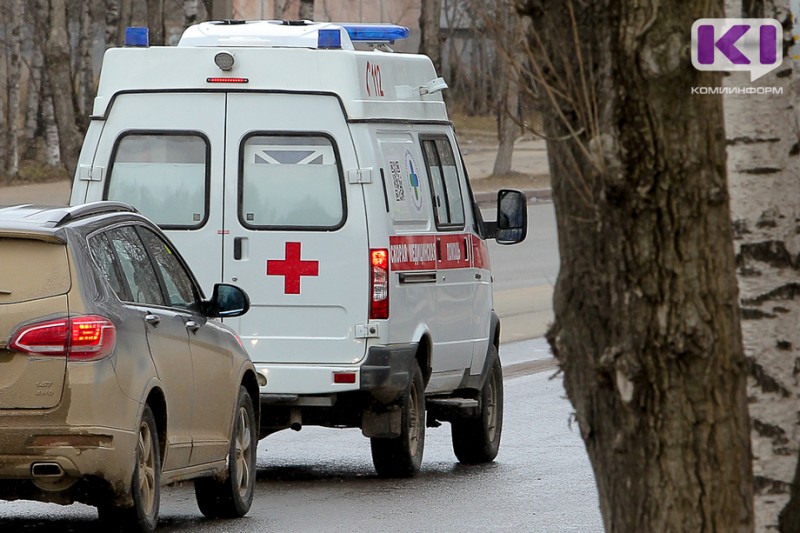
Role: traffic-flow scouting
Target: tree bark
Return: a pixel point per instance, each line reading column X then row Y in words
column 57, row 61
column 646, row 326
column 430, row 39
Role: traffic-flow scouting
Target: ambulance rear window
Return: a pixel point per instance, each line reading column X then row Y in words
column 163, row 175
column 291, row 181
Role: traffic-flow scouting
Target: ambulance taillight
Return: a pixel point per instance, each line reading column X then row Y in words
column 379, row 266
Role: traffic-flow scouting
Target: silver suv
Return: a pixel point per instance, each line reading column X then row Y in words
column 116, row 379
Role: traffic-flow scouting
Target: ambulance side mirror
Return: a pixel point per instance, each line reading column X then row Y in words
column 227, row 301
column 512, row 217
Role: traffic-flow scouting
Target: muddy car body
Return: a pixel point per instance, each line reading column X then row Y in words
column 98, row 350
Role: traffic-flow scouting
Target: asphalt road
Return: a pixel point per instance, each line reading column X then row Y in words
column 322, row 480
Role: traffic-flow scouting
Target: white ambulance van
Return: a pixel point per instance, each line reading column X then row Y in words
column 327, row 182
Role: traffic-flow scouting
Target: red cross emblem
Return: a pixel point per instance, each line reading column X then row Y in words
column 292, row 268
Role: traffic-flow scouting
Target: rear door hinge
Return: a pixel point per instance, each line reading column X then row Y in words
column 90, row 173
column 366, row 331
column 359, row 175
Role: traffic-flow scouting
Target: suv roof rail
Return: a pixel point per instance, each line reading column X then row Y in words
column 91, row 209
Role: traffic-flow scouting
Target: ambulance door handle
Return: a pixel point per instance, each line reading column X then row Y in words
column 238, row 245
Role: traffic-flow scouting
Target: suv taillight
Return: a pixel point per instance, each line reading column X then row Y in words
column 379, row 287
column 80, row 338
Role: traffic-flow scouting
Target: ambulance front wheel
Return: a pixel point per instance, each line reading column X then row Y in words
column 402, row 456
column 477, row 440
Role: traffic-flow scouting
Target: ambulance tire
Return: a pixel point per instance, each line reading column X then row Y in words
column 477, row 440
column 401, row 456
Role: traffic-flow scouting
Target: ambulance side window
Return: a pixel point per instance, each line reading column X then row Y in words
column 291, row 181
column 445, row 186
column 163, row 175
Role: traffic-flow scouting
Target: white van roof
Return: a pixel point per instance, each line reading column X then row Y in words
column 291, row 57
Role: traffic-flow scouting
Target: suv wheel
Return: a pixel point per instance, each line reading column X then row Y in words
column 477, row 440
column 402, row 456
column 146, row 484
column 232, row 496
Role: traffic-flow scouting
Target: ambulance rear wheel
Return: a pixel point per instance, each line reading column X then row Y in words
column 477, row 440
column 402, row 456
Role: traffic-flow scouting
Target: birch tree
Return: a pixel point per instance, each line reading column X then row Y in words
column 764, row 163
column 647, row 322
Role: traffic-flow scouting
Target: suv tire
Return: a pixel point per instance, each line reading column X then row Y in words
column 232, row 496
column 145, row 486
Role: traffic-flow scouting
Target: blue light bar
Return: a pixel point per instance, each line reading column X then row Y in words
column 137, row 37
column 330, row 39
column 375, row 33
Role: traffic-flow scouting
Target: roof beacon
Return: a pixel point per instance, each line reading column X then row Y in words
column 375, row 33
column 136, row 36
column 329, row 39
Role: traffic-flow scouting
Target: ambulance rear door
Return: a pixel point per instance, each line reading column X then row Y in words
column 296, row 229
column 162, row 153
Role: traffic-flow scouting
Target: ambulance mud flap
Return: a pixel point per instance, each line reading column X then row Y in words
column 387, row 371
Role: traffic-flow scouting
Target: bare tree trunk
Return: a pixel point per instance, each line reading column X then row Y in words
column 279, row 8
column 124, row 21
column 52, row 148
column 113, row 10
column 13, row 89
column 85, row 83
column 507, row 28
column 219, row 9
column 57, row 61
column 32, row 108
column 155, row 21
column 647, row 328
column 430, row 40
column 190, row 9
column 306, row 10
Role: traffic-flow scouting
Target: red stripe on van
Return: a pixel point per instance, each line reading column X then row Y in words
column 480, row 253
column 412, row 252
column 453, row 251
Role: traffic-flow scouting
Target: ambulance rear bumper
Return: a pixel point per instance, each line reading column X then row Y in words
column 387, row 369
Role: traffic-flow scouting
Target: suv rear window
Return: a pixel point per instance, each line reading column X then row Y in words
column 31, row 269
column 290, row 181
column 165, row 175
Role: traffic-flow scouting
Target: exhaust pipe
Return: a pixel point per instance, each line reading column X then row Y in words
column 47, row 470
column 295, row 421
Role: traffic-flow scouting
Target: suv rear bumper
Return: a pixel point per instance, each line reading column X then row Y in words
column 98, row 452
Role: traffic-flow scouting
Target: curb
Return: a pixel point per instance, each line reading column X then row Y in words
column 488, row 199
